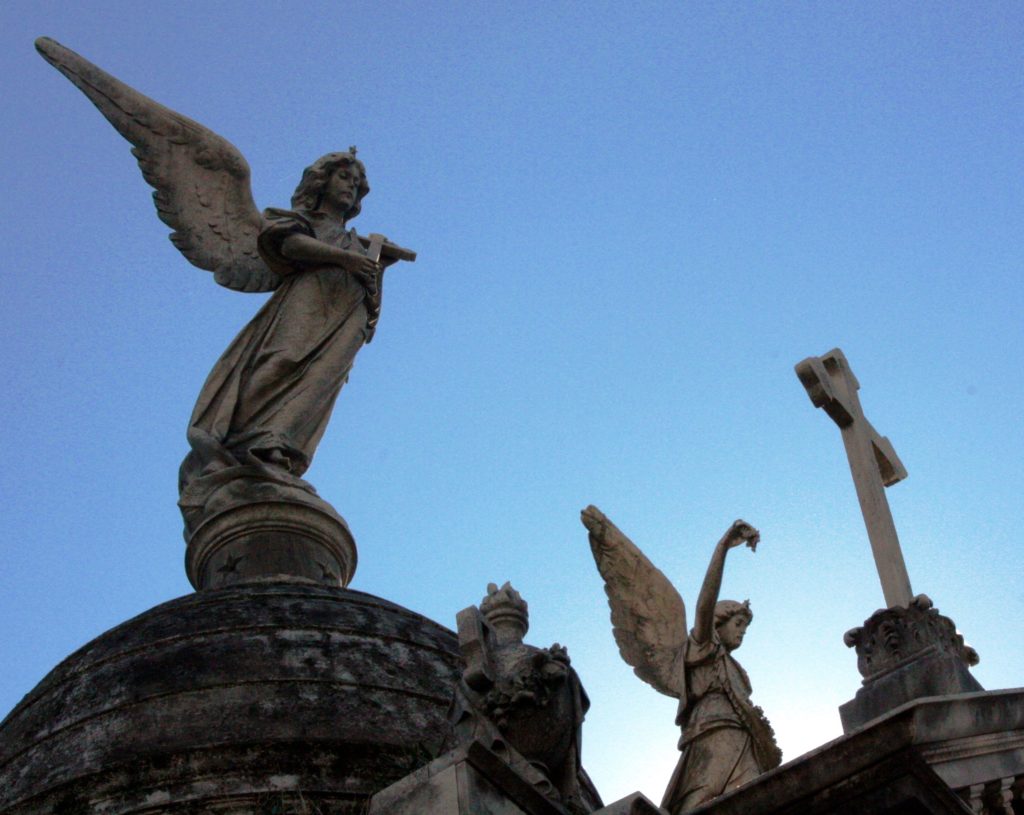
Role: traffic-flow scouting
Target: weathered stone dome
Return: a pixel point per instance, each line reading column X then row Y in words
column 265, row 698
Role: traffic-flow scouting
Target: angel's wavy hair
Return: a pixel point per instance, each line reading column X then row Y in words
column 314, row 178
column 725, row 610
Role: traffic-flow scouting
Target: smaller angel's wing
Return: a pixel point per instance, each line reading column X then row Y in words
column 201, row 180
column 648, row 615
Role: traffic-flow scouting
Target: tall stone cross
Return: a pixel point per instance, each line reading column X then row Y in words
column 831, row 385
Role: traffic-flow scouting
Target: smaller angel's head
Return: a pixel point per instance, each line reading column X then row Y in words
column 731, row 621
column 309, row 194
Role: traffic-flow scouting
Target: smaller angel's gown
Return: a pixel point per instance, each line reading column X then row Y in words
column 268, row 399
column 726, row 740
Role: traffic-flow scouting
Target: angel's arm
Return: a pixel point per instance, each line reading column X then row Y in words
column 704, row 620
column 307, row 250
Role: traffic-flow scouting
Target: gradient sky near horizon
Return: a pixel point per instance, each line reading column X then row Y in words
column 632, row 220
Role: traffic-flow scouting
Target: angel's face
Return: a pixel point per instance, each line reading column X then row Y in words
column 732, row 631
column 342, row 187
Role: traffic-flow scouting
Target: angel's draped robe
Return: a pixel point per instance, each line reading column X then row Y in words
column 726, row 741
column 268, row 399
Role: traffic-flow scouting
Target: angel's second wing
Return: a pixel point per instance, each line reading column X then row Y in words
column 648, row 615
column 201, row 180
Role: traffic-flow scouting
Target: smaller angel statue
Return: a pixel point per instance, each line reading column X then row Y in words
column 726, row 740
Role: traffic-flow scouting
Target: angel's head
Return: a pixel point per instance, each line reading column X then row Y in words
column 731, row 621
column 317, row 179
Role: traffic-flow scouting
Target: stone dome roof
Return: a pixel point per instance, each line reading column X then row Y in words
column 253, row 699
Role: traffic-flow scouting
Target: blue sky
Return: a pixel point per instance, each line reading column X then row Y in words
column 632, row 221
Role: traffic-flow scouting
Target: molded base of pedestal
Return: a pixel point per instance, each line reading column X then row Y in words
column 477, row 780
column 930, row 674
column 470, row 780
column 906, row 653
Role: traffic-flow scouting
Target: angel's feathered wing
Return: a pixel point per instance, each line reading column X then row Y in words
column 201, row 180
column 648, row 615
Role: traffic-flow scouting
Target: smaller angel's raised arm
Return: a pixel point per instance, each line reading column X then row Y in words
column 704, row 619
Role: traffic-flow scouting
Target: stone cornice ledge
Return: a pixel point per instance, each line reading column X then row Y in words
column 936, row 726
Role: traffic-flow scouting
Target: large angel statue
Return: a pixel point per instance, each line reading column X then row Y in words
column 267, row 401
column 726, row 741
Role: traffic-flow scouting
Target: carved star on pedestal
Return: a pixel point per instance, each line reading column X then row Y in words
column 231, row 564
column 327, row 574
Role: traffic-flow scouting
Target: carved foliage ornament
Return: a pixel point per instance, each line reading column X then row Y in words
column 894, row 636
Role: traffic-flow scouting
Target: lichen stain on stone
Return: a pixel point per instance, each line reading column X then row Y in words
column 298, row 635
column 305, row 660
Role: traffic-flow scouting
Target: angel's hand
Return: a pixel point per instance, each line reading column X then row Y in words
column 361, row 266
column 741, row 532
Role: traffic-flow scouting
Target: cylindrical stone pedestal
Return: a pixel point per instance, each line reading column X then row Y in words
column 306, row 540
